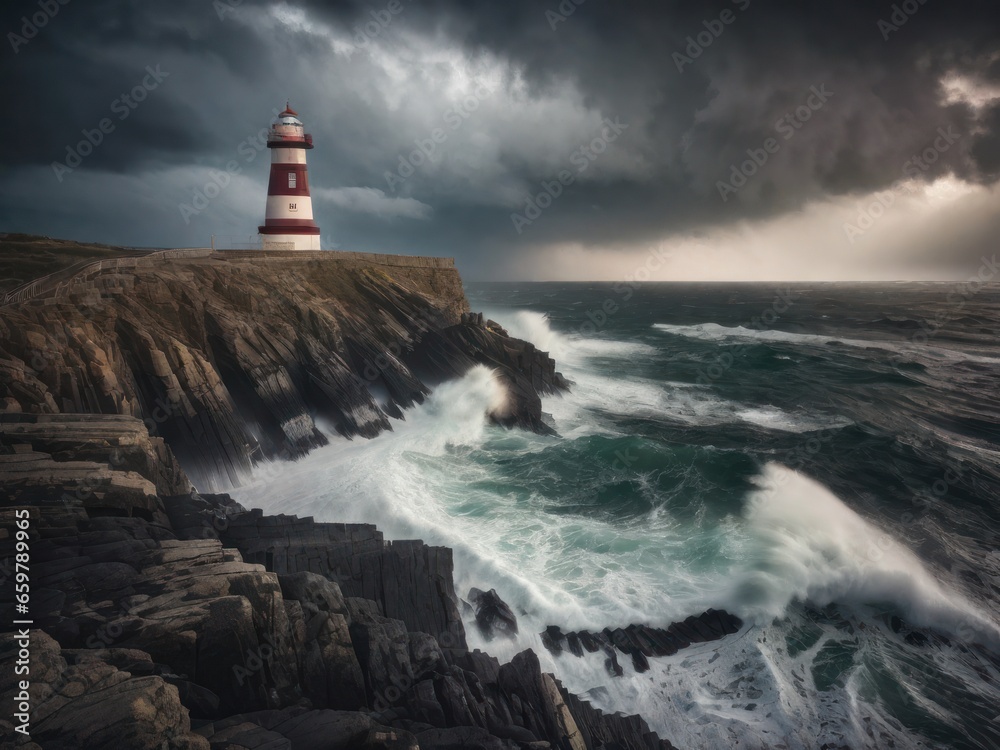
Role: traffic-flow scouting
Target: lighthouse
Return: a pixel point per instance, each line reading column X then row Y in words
column 288, row 218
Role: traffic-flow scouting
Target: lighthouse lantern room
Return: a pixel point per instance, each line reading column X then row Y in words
column 288, row 218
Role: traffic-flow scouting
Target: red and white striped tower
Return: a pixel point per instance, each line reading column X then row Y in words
column 288, row 219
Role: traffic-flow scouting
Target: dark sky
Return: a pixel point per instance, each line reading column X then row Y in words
column 653, row 113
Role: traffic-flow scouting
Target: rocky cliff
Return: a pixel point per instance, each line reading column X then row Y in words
column 233, row 357
column 183, row 621
column 164, row 618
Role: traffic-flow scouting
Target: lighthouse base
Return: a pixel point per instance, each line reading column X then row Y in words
column 290, row 242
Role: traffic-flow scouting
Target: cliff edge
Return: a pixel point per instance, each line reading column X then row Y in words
column 232, row 357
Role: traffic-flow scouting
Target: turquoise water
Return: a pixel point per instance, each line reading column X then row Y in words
column 821, row 461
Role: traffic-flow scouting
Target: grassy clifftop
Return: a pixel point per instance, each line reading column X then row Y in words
column 24, row 257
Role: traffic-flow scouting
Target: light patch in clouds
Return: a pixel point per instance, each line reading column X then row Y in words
column 297, row 21
column 964, row 90
column 499, row 136
column 902, row 243
column 366, row 200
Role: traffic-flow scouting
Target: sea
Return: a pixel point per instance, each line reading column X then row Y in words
column 822, row 460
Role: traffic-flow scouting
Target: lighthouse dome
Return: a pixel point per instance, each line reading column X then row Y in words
column 288, row 130
column 288, row 117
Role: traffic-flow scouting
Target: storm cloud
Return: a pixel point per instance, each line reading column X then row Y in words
column 529, row 140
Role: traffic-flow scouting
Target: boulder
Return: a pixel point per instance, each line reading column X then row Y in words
column 493, row 616
column 382, row 648
column 93, row 705
column 552, row 638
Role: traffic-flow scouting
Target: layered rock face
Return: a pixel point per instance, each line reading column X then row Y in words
column 185, row 621
column 233, row 358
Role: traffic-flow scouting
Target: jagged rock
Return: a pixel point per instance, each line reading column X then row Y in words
column 309, row 730
column 526, row 373
column 122, row 442
column 472, row 319
column 611, row 664
column 424, row 704
column 197, row 516
column 588, row 641
column 701, row 630
column 128, row 660
column 185, row 627
column 38, row 480
column 639, row 661
column 426, row 656
column 599, row 730
column 312, row 589
column 410, row 581
column 484, row 666
column 200, row 702
column 642, row 642
column 515, row 733
column 228, row 358
column 619, row 639
column 450, row 689
column 328, row 666
column 544, row 711
column 382, row 648
column 681, row 634
column 492, row 325
column 249, row 735
column 493, row 616
column 552, row 638
column 722, row 622
column 91, row 704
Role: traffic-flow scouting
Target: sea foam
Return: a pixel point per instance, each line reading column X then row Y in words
column 807, row 545
column 910, row 350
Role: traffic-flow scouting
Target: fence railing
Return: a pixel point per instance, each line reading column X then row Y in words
column 58, row 281
column 382, row 259
column 236, row 242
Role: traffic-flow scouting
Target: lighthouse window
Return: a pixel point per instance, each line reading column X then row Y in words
column 291, row 179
